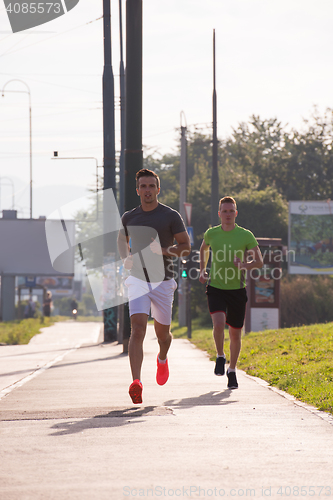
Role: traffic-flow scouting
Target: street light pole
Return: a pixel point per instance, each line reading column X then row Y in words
column 56, row 157
column 122, row 117
column 110, row 246
column 133, row 119
column 215, row 174
column 30, row 128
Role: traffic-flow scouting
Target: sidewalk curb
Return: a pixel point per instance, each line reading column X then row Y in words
column 328, row 417
column 312, row 409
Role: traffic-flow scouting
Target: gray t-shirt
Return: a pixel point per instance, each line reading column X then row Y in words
column 142, row 228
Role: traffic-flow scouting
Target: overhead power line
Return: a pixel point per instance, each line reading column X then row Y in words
column 53, row 36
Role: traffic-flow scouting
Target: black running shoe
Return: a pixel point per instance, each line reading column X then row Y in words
column 232, row 380
column 219, row 367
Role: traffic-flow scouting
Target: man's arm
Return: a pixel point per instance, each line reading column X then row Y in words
column 204, row 256
column 256, row 262
column 181, row 249
column 124, row 250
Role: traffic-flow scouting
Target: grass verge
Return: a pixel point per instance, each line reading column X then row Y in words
column 21, row 331
column 296, row 360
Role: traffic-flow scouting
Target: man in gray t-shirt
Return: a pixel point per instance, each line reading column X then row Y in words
column 146, row 245
column 142, row 227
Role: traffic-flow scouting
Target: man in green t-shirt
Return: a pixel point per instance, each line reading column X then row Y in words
column 231, row 247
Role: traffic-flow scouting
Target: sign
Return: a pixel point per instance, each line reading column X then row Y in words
column 264, row 319
column 191, row 234
column 24, row 248
column 30, row 281
column 310, row 249
column 188, row 212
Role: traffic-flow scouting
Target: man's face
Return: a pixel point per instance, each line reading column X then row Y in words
column 147, row 189
column 228, row 214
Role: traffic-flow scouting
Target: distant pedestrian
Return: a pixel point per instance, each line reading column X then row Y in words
column 74, row 304
column 152, row 228
column 30, row 309
column 231, row 245
column 47, row 304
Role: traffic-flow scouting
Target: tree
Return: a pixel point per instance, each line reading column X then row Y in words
column 263, row 212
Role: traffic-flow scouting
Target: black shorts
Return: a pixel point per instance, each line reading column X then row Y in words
column 231, row 302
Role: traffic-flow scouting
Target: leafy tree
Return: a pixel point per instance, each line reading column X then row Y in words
column 264, row 212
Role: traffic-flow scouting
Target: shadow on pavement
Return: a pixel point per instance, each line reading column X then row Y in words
column 114, row 418
column 209, row 399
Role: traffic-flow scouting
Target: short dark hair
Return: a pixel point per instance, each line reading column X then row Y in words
column 227, row 199
column 144, row 172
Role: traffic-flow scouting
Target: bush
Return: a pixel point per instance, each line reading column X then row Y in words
column 306, row 300
column 21, row 308
column 63, row 305
column 87, row 307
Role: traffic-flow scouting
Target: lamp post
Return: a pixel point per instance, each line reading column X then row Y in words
column 30, row 130
column 215, row 174
column 56, row 157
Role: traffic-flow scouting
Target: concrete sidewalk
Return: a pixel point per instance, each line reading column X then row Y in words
column 72, row 432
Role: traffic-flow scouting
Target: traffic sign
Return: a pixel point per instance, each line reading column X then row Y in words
column 191, row 234
column 188, row 212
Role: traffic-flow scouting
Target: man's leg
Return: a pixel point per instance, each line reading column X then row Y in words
column 135, row 346
column 164, row 337
column 235, row 335
column 218, row 320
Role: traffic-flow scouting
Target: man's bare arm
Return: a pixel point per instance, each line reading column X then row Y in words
column 124, row 250
column 204, row 256
column 181, row 249
column 256, row 262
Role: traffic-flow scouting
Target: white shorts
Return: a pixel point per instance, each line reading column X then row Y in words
column 158, row 297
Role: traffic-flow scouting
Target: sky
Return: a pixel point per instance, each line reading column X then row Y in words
column 273, row 59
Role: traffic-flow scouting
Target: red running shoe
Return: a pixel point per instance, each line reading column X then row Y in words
column 162, row 373
column 135, row 391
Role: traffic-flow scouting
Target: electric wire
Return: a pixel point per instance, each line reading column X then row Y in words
column 53, row 36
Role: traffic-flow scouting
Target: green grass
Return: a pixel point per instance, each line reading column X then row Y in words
column 22, row 331
column 296, row 360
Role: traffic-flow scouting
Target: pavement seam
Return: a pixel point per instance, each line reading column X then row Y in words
column 40, row 370
column 7, row 390
column 312, row 409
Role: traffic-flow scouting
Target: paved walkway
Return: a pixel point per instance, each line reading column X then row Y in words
column 72, row 432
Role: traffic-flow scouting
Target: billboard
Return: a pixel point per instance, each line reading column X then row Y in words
column 24, row 248
column 310, row 237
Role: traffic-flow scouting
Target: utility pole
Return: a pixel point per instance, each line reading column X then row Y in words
column 122, row 116
column 122, row 308
column 215, row 175
column 133, row 113
column 182, row 284
column 133, row 151
column 110, row 246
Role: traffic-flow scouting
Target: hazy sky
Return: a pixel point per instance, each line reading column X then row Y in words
column 274, row 59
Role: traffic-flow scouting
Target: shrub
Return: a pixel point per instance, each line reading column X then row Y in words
column 306, row 300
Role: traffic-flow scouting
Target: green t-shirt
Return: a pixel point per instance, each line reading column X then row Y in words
column 225, row 246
